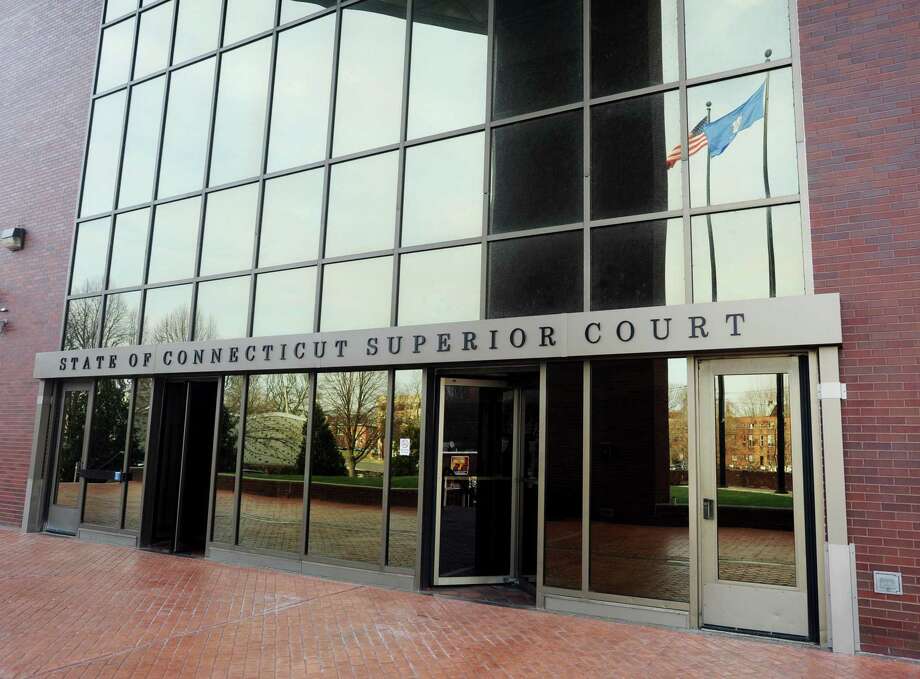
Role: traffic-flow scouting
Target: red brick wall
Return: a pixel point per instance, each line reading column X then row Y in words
column 861, row 81
column 47, row 51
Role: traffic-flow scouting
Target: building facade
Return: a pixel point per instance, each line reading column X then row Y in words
column 613, row 305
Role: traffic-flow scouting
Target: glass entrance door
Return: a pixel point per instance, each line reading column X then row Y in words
column 752, row 513
column 70, row 448
column 475, row 531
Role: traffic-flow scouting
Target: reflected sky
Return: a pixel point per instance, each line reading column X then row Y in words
column 241, row 103
column 139, row 164
column 285, row 302
column 196, row 28
column 222, row 309
column 229, row 230
column 300, row 109
column 89, row 258
column 444, row 190
column 357, row 294
column 742, row 30
column 129, row 247
column 362, row 205
column 742, row 270
column 440, row 286
column 175, row 239
column 153, row 40
column 187, row 120
column 369, row 94
column 102, row 156
column 115, row 55
column 292, row 216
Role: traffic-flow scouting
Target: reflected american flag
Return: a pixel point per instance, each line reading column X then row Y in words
column 697, row 141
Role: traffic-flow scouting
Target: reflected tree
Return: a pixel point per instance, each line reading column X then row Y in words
column 351, row 401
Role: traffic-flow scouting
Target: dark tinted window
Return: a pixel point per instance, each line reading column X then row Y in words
column 636, row 265
column 630, row 141
column 538, row 55
column 633, row 45
column 639, row 521
column 562, row 515
column 537, row 173
column 538, row 275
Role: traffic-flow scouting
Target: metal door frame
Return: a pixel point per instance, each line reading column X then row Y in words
column 796, row 599
column 69, row 515
column 438, row 580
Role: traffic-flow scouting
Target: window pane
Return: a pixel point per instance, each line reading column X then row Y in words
column 538, row 275
column 196, row 28
column 102, row 156
column 90, row 252
column 346, row 466
column 175, row 240
column 129, row 247
column 738, row 251
column 223, row 309
column 428, row 285
column 241, row 102
column 245, row 18
column 229, row 230
column 292, row 217
column 362, row 205
column 538, row 55
column 357, row 294
column 153, row 40
column 447, row 89
column 166, row 315
column 117, row 8
column 369, row 95
column 633, row 45
column 224, row 484
column 109, row 434
column 271, row 495
column 562, row 511
column 538, row 178
column 300, row 108
column 407, row 423
column 139, row 165
column 115, row 55
column 296, row 9
column 285, row 302
column 736, row 163
column 623, row 135
column 742, row 31
column 82, row 327
column 755, row 498
column 443, row 195
column 137, row 453
column 640, row 539
column 637, row 265
column 122, row 318
column 185, row 141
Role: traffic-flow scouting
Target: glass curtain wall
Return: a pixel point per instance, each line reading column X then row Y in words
column 367, row 171
column 355, row 436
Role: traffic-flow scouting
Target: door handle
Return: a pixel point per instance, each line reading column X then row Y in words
column 709, row 507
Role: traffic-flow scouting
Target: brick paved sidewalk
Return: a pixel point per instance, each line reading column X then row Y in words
column 69, row 608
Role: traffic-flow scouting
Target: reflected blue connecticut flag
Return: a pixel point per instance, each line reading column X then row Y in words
column 723, row 131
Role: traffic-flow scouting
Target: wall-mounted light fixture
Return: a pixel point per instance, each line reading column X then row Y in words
column 12, row 239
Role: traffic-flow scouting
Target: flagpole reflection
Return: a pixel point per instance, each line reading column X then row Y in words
column 771, row 258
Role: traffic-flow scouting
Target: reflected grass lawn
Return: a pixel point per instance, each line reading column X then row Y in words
column 738, row 497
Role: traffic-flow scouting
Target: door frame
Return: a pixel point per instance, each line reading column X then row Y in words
column 724, row 595
column 68, row 516
column 437, row 580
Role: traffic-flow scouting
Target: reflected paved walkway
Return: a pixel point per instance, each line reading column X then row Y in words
column 69, row 608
